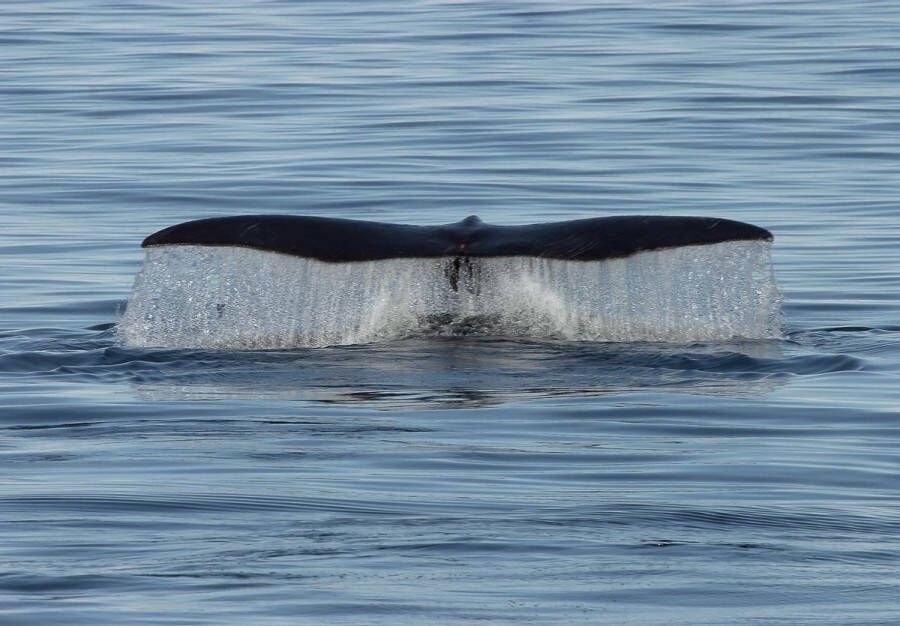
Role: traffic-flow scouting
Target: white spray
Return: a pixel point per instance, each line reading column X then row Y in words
column 230, row 297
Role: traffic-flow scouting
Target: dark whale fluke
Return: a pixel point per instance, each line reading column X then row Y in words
column 341, row 240
column 273, row 282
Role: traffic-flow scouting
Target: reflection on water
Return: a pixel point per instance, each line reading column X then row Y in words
column 467, row 372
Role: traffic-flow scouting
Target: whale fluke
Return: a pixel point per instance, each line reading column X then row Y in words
column 338, row 240
column 273, row 282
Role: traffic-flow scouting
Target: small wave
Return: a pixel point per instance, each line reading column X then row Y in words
column 86, row 502
column 679, row 516
column 68, row 584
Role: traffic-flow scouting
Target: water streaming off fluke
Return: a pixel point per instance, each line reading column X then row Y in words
column 232, row 297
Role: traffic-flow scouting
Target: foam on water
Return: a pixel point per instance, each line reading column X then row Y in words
column 229, row 297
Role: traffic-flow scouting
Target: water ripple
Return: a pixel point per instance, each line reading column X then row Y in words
column 465, row 479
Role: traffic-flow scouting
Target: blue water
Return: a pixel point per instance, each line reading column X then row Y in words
column 449, row 480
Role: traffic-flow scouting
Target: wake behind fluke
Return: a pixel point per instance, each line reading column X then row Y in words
column 266, row 282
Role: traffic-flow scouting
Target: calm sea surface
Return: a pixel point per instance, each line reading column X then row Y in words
column 451, row 480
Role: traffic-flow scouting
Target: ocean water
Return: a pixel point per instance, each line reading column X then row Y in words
column 453, row 477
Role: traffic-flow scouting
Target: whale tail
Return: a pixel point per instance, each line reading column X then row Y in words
column 341, row 240
column 281, row 281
